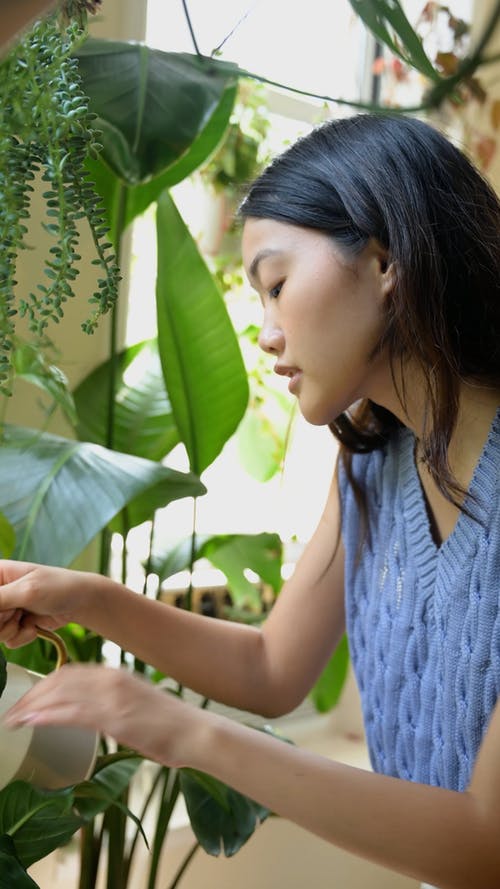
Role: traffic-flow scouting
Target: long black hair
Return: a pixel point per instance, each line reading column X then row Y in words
column 400, row 181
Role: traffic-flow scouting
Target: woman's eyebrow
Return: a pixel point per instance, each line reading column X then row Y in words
column 253, row 271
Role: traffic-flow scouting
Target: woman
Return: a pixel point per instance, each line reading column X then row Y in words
column 374, row 246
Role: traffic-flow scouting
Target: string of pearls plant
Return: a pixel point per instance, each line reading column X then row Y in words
column 47, row 130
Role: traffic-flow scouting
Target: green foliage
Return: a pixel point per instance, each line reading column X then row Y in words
column 222, row 819
column 143, row 420
column 232, row 554
column 146, row 130
column 12, row 873
column 202, row 364
column 47, row 130
column 326, row 692
column 7, row 537
column 67, row 491
column 242, row 153
column 386, row 19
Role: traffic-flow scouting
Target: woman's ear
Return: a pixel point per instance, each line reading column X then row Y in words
column 388, row 275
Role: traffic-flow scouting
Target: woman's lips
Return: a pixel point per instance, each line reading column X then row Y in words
column 293, row 373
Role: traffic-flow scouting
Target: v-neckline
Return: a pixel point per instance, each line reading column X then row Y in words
column 477, row 501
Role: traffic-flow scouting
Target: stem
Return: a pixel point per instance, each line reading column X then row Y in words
column 171, row 789
column 116, row 821
column 191, row 31
column 140, row 666
column 192, row 559
column 90, row 847
column 105, row 542
column 113, row 333
column 184, row 866
column 147, row 803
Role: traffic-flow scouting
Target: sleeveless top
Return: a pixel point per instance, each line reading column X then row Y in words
column 423, row 621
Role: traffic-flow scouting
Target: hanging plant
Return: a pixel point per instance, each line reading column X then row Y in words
column 46, row 130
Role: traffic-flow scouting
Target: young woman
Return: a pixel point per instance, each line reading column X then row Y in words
column 374, row 246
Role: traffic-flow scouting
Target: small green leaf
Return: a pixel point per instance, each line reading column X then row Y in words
column 326, row 692
column 7, row 537
column 30, row 365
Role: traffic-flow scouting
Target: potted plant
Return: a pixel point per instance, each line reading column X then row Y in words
column 126, row 432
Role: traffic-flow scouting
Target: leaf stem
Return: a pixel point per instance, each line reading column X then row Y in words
column 191, row 30
column 184, row 866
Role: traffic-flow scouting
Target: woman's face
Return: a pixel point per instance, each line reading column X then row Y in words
column 324, row 315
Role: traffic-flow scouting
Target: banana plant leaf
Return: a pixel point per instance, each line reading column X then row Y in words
column 12, row 873
column 222, row 819
column 58, row 494
column 143, row 421
column 201, row 359
column 123, row 202
column 153, row 106
column 387, row 21
column 262, row 434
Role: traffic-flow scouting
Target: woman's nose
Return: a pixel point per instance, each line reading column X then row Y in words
column 271, row 339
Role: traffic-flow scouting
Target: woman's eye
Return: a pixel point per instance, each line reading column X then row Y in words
column 275, row 291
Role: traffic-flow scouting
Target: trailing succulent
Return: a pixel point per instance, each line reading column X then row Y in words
column 46, row 131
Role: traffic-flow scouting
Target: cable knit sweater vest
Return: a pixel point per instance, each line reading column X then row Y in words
column 423, row 621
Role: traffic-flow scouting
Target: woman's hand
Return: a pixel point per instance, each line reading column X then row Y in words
column 113, row 702
column 33, row 594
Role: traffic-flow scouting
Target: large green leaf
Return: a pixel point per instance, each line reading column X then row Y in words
column 201, row 359
column 143, row 420
column 326, row 692
column 65, row 491
column 152, row 106
column 37, row 821
column 222, row 819
column 123, row 202
column 12, row 873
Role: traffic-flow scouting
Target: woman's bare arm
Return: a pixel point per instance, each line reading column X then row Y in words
column 268, row 671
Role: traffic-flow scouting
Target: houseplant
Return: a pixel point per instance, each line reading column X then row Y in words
column 129, row 179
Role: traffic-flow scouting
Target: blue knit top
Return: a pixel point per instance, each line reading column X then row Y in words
column 423, row 621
